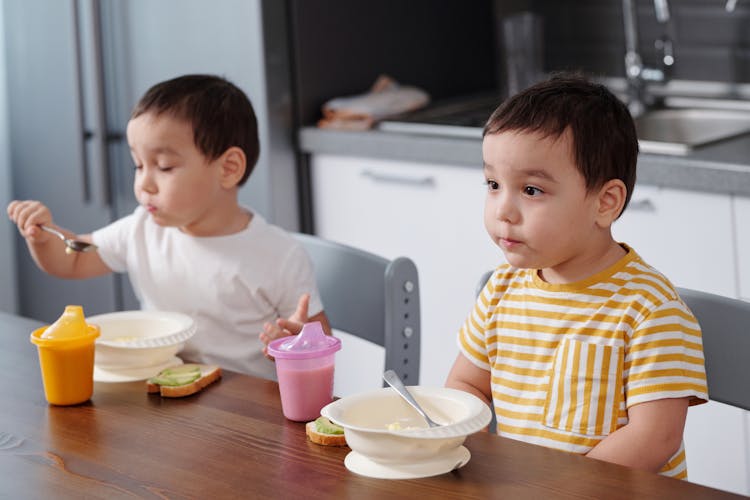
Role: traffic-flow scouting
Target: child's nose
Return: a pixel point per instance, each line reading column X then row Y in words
column 146, row 180
column 506, row 209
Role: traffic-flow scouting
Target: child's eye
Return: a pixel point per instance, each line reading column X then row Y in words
column 492, row 185
column 532, row 191
column 165, row 169
column 138, row 167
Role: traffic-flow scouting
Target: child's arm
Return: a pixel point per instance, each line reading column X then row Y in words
column 48, row 251
column 468, row 377
column 652, row 435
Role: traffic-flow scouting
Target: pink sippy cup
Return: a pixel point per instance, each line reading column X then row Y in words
column 304, row 367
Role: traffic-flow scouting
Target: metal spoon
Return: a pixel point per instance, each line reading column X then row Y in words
column 395, row 382
column 71, row 244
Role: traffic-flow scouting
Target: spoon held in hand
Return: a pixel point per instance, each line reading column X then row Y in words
column 71, row 245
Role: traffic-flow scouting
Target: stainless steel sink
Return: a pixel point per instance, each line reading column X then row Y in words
column 685, row 124
column 678, row 131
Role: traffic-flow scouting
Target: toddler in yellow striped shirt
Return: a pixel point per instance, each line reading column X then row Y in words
column 576, row 342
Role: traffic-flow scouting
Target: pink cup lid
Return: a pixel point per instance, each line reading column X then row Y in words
column 311, row 342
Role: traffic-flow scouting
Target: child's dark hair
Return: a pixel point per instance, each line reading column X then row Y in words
column 605, row 143
column 220, row 113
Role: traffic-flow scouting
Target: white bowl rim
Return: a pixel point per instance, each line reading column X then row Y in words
column 186, row 328
column 478, row 409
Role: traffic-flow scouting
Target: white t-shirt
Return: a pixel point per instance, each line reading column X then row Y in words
column 230, row 285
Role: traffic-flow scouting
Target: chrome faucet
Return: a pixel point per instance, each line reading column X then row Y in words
column 635, row 72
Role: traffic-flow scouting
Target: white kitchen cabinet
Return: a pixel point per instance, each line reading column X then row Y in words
column 432, row 214
column 689, row 237
column 742, row 225
column 686, row 235
column 717, row 447
column 742, row 232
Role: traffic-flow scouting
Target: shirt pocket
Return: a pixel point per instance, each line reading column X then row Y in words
column 585, row 388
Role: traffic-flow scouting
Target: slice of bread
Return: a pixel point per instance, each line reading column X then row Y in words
column 207, row 375
column 311, row 429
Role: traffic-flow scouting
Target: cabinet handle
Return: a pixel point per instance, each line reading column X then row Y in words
column 644, row 205
column 398, row 179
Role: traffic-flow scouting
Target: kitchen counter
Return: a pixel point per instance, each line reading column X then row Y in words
column 722, row 167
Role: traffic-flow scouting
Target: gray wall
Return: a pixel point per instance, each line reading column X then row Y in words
column 150, row 50
column 143, row 42
column 8, row 294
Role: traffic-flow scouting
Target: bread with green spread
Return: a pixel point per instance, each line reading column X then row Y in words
column 323, row 431
column 183, row 380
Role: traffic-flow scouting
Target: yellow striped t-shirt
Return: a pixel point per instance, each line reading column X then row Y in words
column 567, row 360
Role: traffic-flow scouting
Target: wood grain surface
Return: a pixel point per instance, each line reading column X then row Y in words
column 232, row 441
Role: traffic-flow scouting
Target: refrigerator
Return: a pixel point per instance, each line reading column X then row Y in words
column 74, row 70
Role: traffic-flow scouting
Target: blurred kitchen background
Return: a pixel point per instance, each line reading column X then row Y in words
column 70, row 71
column 74, row 68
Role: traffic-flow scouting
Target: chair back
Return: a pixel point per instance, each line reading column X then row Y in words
column 482, row 282
column 372, row 298
column 725, row 324
column 478, row 290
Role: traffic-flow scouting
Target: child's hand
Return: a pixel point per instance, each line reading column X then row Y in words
column 27, row 215
column 285, row 327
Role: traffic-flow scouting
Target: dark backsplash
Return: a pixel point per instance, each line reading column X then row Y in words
column 710, row 44
column 449, row 48
column 341, row 46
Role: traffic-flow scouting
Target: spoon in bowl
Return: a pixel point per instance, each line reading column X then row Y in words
column 394, row 381
column 71, row 245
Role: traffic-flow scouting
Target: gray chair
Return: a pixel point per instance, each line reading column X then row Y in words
column 370, row 297
column 482, row 281
column 725, row 324
column 480, row 285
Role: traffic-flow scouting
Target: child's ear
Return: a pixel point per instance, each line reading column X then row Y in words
column 611, row 199
column 232, row 164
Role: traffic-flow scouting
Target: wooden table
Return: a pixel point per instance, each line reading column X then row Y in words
column 231, row 440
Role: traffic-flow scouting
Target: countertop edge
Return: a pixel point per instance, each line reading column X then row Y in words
column 392, row 146
column 713, row 169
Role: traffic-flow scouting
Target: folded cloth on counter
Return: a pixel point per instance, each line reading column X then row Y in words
column 359, row 112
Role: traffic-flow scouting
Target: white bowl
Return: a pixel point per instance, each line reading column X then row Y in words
column 133, row 339
column 366, row 419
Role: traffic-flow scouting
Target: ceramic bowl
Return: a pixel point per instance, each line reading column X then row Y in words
column 381, row 426
column 134, row 339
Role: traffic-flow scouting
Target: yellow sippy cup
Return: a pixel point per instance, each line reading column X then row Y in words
column 66, row 357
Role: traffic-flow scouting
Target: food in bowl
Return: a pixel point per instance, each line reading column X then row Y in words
column 128, row 338
column 366, row 417
column 133, row 339
column 396, row 426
